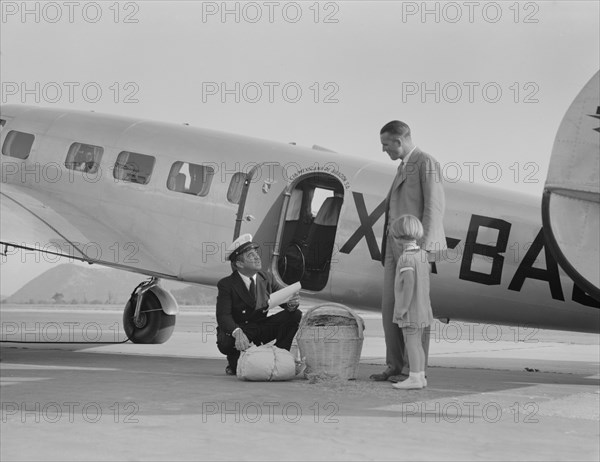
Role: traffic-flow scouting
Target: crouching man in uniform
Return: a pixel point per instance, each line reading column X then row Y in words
column 242, row 306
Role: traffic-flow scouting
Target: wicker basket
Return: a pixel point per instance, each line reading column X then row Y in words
column 330, row 339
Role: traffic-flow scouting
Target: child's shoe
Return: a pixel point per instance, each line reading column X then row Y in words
column 413, row 382
column 423, row 379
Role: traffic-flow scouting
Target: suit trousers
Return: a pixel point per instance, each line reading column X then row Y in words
column 281, row 327
column 396, row 356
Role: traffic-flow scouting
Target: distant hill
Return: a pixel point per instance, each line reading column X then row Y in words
column 74, row 284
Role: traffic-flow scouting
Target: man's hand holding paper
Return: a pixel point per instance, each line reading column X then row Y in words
column 289, row 294
column 293, row 302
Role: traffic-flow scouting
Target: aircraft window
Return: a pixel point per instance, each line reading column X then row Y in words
column 84, row 157
column 17, row 144
column 234, row 192
column 133, row 167
column 190, row 178
column 319, row 197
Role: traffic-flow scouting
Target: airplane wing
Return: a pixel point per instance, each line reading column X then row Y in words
column 571, row 201
column 43, row 224
column 29, row 223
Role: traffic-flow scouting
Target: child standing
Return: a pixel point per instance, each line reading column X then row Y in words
column 412, row 306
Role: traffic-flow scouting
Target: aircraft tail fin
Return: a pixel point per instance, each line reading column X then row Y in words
column 571, row 201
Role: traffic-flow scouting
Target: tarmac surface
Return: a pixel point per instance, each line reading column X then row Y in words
column 493, row 394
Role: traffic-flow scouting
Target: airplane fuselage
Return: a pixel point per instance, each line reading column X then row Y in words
column 130, row 212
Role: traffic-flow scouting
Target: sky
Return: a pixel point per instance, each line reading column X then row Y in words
column 483, row 85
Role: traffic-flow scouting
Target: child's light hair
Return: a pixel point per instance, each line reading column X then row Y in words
column 407, row 227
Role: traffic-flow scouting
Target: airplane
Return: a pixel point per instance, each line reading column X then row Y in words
column 166, row 200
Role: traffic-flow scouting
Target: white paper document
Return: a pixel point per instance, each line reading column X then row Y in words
column 283, row 295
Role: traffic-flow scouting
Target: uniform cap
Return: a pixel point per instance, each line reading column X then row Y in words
column 239, row 246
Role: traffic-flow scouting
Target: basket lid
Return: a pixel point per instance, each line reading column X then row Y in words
column 334, row 309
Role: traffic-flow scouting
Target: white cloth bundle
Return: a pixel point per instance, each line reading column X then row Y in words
column 266, row 363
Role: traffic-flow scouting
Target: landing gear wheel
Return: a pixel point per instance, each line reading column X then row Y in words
column 153, row 325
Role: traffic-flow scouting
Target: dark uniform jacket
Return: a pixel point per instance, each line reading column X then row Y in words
column 235, row 305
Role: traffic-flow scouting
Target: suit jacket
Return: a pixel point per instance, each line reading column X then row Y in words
column 235, row 305
column 418, row 191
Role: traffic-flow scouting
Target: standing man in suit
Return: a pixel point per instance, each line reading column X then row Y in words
column 242, row 306
column 416, row 190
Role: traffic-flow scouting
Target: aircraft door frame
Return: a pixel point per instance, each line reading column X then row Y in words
column 259, row 212
column 269, row 228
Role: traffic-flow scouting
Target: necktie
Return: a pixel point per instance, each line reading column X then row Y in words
column 252, row 289
column 397, row 178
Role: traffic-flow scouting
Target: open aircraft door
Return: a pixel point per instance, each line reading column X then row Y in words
column 260, row 210
column 571, row 201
